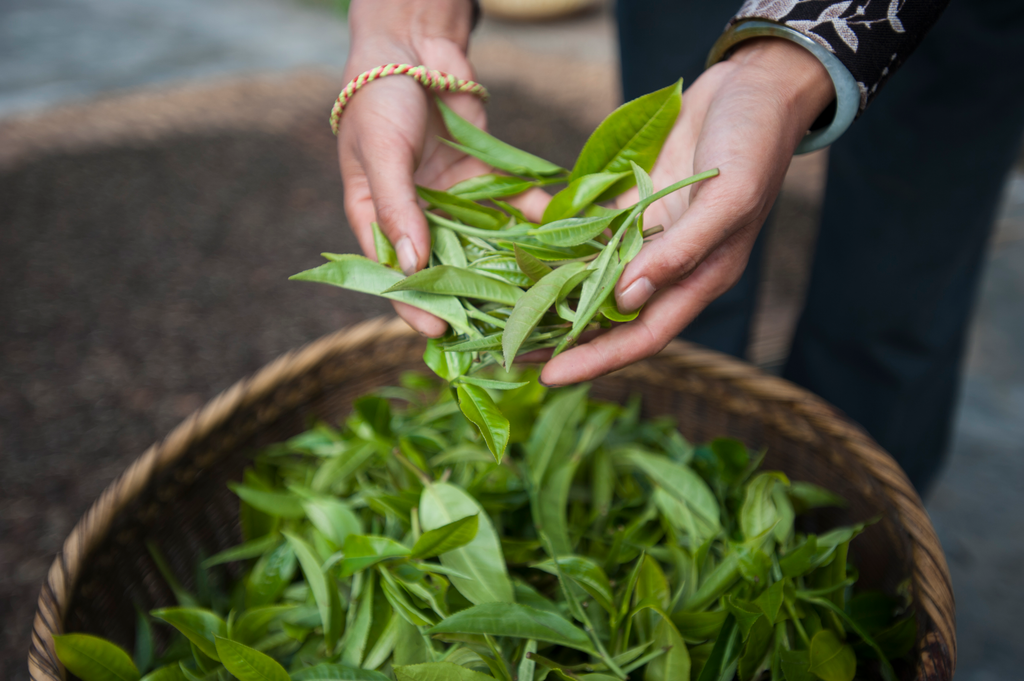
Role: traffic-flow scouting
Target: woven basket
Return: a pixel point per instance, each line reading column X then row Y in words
column 175, row 494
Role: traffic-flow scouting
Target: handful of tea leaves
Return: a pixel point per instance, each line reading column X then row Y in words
column 604, row 547
column 506, row 285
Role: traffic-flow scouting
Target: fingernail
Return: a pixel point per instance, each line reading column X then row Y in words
column 407, row 258
column 548, row 385
column 636, row 294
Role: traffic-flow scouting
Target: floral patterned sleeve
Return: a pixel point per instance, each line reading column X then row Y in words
column 870, row 37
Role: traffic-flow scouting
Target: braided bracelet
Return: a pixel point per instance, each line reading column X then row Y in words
column 428, row 78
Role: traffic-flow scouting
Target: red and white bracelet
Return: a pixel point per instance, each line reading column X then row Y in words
column 428, row 78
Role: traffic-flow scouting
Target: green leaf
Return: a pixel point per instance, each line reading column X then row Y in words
column 490, row 186
column 270, row 575
column 463, row 209
column 483, row 237
column 794, row 666
column 446, row 538
column 278, row 504
column 493, row 151
column 887, row 670
column 770, row 601
column 363, row 551
column 94, row 659
column 492, row 342
column 678, row 480
column 358, row 632
column 550, row 504
column 445, row 362
column 249, row 664
column 382, row 247
column 801, row 559
column 744, row 612
column 587, row 574
column 143, row 657
column 401, row 605
column 580, row 193
column 830, row 658
column 725, row 652
column 532, row 306
column 635, row 132
column 481, row 410
column 652, row 586
column 574, row 231
column 699, row 626
column 385, row 642
column 252, row 624
column 644, row 184
column 807, row 495
column 169, row 672
column 610, row 309
column 516, row 620
column 438, row 671
column 328, row 671
column 502, row 266
column 756, row 649
column 454, row 281
column 532, row 267
column 555, row 429
column 250, row 549
column 318, row 584
column 356, row 273
column 899, row 639
column 759, row 513
column 447, row 247
column 193, row 673
column 480, row 560
column 410, row 646
column 333, row 517
column 720, row 579
column 493, row 385
column 546, row 253
column 674, row 664
column 199, row 626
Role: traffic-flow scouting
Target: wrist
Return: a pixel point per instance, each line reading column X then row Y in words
column 797, row 77
column 409, row 25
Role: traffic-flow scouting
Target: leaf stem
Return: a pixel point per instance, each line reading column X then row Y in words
column 796, row 623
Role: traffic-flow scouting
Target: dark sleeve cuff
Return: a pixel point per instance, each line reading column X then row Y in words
column 871, row 38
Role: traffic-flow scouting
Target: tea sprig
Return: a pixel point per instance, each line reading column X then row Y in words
column 506, row 285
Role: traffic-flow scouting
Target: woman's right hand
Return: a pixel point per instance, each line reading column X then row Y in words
column 387, row 138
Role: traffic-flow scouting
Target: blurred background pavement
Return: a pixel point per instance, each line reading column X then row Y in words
column 166, row 164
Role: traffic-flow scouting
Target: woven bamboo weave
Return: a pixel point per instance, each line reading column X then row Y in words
column 174, row 495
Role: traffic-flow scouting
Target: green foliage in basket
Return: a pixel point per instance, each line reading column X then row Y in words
column 506, row 285
column 604, row 547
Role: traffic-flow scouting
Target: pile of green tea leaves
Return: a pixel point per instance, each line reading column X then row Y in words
column 507, row 285
column 604, row 547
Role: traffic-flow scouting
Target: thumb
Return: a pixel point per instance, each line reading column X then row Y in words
column 717, row 211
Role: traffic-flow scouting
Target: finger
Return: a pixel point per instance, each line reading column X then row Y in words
column 718, row 210
column 424, row 322
column 544, row 354
column 384, row 142
column 360, row 210
column 532, row 203
column 667, row 313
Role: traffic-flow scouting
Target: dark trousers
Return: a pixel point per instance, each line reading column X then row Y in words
column 913, row 189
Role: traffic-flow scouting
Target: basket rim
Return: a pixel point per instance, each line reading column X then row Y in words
column 932, row 583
